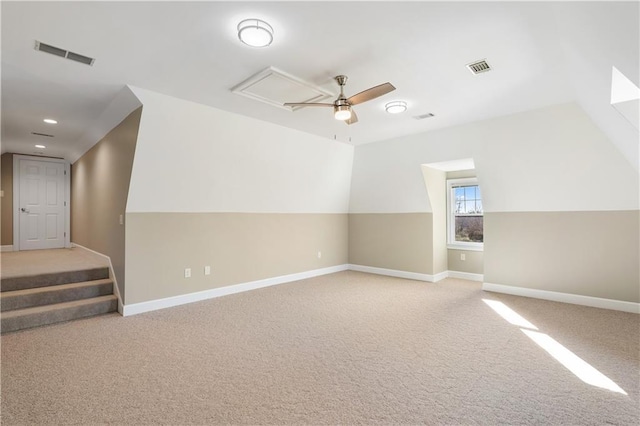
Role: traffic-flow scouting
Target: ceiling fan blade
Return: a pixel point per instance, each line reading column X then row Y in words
column 303, row 104
column 353, row 119
column 371, row 93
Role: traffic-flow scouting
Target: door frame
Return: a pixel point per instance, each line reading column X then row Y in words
column 16, row 196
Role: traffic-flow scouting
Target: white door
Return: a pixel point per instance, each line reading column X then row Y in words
column 41, row 204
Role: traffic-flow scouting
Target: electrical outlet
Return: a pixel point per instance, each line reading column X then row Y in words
column 187, row 272
column 319, row 255
column 121, row 220
column 207, row 270
column 463, row 256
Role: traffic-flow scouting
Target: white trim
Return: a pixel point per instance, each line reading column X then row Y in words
column 575, row 299
column 440, row 276
column 466, row 276
column 396, row 273
column 112, row 275
column 6, row 248
column 417, row 276
column 466, row 247
column 16, row 196
column 152, row 305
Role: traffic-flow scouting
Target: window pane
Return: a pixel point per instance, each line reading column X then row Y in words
column 470, row 192
column 459, row 193
column 469, row 229
column 479, row 209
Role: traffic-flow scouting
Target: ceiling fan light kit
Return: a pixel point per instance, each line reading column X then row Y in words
column 396, row 107
column 342, row 106
column 255, row 32
column 342, row 112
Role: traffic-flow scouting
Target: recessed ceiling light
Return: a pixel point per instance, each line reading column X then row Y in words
column 396, row 107
column 50, row 121
column 255, row 32
column 40, row 146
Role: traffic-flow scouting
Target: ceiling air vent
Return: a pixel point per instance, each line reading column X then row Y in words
column 479, row 66
column 42, row 47
column 423, row 116
column 42, row 134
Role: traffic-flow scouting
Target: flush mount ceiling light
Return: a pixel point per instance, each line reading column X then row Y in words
column 40, row 146
column 255, row 33
column 396, row 107
column 50, row 121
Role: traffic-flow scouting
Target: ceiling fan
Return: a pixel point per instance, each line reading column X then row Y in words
column 342, row 106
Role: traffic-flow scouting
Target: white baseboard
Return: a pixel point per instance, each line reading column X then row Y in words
column 440, row 276
column 112, row 274
column 6, row 248
column 465, row 276
column 575, row 299
column 152, row 305
column 397, row 273
column 417, row 276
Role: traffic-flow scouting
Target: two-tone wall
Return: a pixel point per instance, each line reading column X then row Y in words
column 561, row 202
column 254, row 201
column 250, row 199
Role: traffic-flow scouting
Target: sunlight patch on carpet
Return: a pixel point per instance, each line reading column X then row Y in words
column 582, row 369
column 509, row 314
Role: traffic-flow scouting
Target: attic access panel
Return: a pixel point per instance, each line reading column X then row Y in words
column 275, row 87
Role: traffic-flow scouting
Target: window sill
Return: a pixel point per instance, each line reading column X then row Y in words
column 466, row 247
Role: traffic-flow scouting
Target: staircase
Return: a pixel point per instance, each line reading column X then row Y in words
column 36, row 300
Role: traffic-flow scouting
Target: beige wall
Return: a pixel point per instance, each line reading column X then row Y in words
column 239, row 247
column 401, row 241
column 436, row 183
column 6, row 202
column 587, row 253
column 99, row 189
column 473, row 263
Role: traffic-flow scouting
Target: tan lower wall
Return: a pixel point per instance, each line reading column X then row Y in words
column 401, row 241
column 239, row 247
column 473, row 263
column 6, row 202
column 586, row 253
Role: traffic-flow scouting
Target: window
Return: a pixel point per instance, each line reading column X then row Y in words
column 465, row 214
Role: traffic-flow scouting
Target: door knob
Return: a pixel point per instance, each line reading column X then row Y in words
column 24, row 210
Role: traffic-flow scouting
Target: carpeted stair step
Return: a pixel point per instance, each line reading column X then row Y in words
column 55, row 278
column 20, row 299
column 60, row 312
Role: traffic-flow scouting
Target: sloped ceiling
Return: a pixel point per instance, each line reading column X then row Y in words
column 595, row 36
column 191, row 51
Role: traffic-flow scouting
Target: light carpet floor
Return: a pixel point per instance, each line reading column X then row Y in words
column 346, row 348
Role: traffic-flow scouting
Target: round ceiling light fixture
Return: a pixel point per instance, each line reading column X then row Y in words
column 50, row 121
column 255, row 32
column 396, row 107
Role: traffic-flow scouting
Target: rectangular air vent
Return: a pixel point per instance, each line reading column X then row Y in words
column 423, row 116
column 479, row 66
column 42, row 47
column 42, row 134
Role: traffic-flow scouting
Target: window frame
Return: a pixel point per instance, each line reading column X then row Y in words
column 451, row 231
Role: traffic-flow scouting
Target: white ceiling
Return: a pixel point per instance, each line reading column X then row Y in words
column 191, row 51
